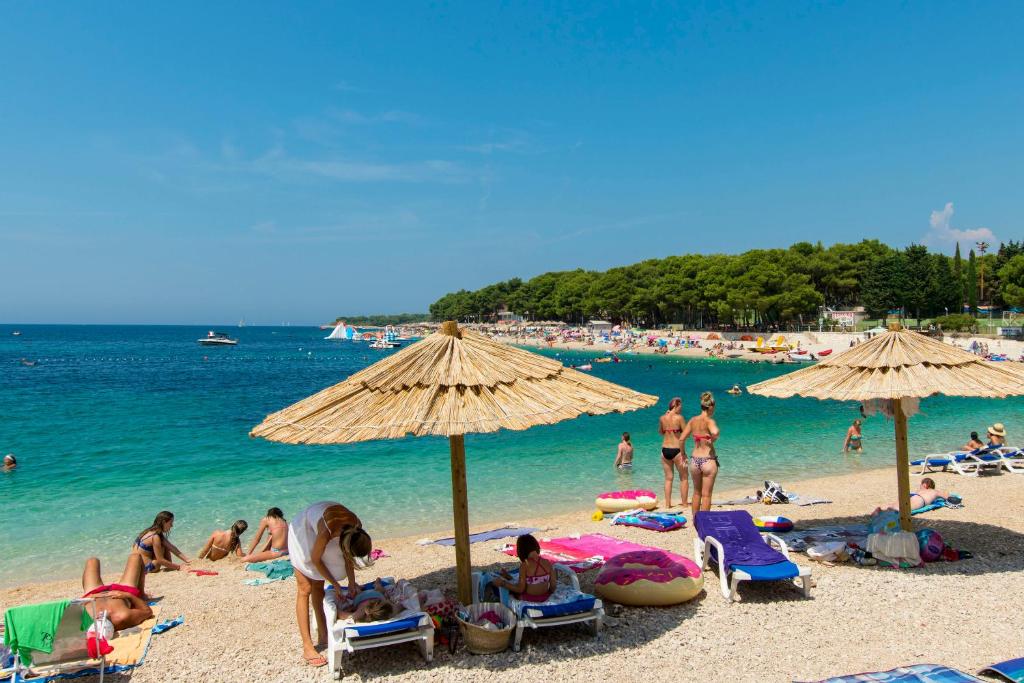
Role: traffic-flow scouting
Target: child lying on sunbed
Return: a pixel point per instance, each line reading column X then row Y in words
column 381, row 602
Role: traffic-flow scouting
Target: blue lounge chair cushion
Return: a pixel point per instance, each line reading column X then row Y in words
column 943, row 461
column 394, row 626
column 583, row 603
column 768, row 572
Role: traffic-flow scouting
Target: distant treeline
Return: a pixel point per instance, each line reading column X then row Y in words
column 757, row 287
column 378, row 320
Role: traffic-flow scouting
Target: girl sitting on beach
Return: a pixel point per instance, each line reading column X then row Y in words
column 275, row 525
column 537, row 579
column 223, row 543
column 154, row 547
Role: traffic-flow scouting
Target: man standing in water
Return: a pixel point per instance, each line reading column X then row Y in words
column 624, row 457
column 673, row 450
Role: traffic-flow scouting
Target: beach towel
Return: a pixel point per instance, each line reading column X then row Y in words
column 804, row 501
column 129, row 651
column 585, row 552
column 940, row 503
column 1011, row 670
column 919, row 673
column 799, row 540
column 741, row 540
column 33, row 627
column 168, row 624
column 492, row 535
column 652, row 521
column 275, row 570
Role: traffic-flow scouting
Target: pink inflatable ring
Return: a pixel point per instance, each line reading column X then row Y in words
column 617, row 501
column 649, row 578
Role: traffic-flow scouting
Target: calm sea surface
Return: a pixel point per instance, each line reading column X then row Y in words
column 117, row 423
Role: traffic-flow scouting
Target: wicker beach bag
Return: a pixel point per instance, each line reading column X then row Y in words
column 483, row 641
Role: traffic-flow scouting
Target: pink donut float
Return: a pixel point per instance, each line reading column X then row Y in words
column 649, row 578
column 617, row 501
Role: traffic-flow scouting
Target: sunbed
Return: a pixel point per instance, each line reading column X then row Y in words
column 347, row 637
column 69, row 650
column 729, row 539
column 1012, row 459
column 967, row 463
column 568, row 605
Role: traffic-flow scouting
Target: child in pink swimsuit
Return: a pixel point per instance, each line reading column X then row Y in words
column 537, row 579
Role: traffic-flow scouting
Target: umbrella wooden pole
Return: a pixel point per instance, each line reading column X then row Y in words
column 460, row 509
column 902, row 465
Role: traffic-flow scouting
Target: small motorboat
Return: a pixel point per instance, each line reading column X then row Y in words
column 28, row 363
column 801, row 356
column 217, row 339
column 16, row 333
column 383, row 344
column 585, row 366
column 825, row 352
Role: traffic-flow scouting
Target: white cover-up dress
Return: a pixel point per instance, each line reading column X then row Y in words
column 302, row 533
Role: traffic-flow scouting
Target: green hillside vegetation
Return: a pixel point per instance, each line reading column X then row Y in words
column 757, row 287
column 379, row 320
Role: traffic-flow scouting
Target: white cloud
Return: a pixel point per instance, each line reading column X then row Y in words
column 941, row 232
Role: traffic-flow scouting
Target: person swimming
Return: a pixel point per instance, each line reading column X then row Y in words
column 275, row 525
column 10, row 462
column 223, row 543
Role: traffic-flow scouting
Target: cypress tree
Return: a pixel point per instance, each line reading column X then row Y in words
column 972, row 284
column 958, row 276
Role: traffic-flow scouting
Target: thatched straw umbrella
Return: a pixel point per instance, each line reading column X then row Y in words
column 898, row 365
column 452, row 383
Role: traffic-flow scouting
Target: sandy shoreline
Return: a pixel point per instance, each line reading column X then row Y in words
column 962, row 614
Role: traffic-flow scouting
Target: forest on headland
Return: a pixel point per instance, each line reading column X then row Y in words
column 758, row 287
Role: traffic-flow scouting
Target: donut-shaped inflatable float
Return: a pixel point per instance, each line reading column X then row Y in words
column 649, row 578
column 617, row 501
column 769, row 523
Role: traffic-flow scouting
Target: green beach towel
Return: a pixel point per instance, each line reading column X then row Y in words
column 275, row 570
column 34, row 627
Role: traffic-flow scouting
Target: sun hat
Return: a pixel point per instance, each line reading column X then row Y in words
column 997, row 429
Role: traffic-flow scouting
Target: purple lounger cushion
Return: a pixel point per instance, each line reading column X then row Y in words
column 735, row 530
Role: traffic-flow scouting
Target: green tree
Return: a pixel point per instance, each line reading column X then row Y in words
column 958, row 275
column 1011, row 277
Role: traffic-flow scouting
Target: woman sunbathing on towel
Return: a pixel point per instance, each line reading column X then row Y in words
column 124, row 601
column 275, row 525
column 537, row 577
column 225, row 542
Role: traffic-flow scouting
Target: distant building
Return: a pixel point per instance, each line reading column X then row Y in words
column 507, row 316
column 598, row 327
column 848, row 318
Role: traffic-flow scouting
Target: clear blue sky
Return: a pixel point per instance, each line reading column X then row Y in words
column 198, row 162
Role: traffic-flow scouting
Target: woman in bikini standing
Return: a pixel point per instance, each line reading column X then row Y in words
column 673, row 450
column 704, row 465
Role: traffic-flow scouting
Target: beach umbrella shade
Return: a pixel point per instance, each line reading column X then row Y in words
column 451, row 383
column 896, row 366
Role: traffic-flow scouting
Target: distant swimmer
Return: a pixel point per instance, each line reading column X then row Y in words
column 624, row 456
column 10, row 462
column 735, row 391
column 276, row 528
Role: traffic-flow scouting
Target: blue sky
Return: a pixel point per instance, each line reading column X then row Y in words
column 203, row 162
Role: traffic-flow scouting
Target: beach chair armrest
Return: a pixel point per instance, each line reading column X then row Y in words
column 778, row 542
column 570, row 574
column 712, row 542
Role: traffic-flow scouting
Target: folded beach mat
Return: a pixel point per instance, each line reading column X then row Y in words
column 492, row 535
column 919, row 673
column 274, row 570
column 652, row 521
column 1011, row 670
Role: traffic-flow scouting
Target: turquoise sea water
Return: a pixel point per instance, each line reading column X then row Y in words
column 116, row 423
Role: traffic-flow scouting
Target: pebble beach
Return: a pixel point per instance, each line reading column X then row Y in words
column 963, row 614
